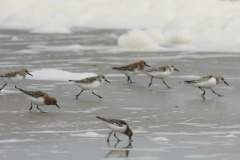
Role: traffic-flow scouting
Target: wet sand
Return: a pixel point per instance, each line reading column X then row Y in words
column 190, row 126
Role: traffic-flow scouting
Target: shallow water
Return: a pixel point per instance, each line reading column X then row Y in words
column 174, row 123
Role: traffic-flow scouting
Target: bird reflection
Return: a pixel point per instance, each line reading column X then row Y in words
column 119, row 153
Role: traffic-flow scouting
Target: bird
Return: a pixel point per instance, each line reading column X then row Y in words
column 207, row 82
column 90, row 83
column 160, row 73
column 14, row 77
column 132, row 69
column 39, row 98
column 117, row 125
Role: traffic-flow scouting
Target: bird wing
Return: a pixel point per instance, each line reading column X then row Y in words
column 130, row 67
column 158, row 69
column 117, row 122
column 34, row 94
column 87, row 80
column 10, row 74
column 205, row 78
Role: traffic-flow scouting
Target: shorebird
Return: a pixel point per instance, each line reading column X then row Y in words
column 117, row 125
column 39, row 98
column 90, row 83
column 14, row 77
column 207, row 82
column 132, row 69
column 160, row 73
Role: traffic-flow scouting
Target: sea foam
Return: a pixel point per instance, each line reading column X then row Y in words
column 154, row 25
column 58, row 75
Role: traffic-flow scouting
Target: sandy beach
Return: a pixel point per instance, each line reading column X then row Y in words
column 174, row 123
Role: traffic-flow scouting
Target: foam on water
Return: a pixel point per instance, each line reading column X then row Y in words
column 89, row 134
column 160, row 139
column 15, row 140
column 73, row 48
column 58, row 75
column 188, row 24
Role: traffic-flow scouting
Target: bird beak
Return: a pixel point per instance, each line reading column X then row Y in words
column 57, row 106
column 107, row 81
column 30, row 74
column 226, row 83
column 176, row 69
column 148, row 65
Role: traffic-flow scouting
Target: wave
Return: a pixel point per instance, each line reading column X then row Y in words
column 58, row 75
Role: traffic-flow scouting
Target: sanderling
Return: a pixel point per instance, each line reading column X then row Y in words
column 39, row 98
column 207, row 82
column 14, row 77
column 160, row 73
column 117, row 125
column 90, row 83
column 132, row 69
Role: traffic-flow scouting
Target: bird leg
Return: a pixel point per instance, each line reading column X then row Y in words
column 116, row 144
column 127, row 77
column 130, row 80
column 30, row 107
column 116, row 137
column 203, row 91
column 165, row 83
column 79, row 94
column 109, row 136
column 40, row 110
column 3, row 86
column 151, row 82
column 216, row 93
column 96, row 94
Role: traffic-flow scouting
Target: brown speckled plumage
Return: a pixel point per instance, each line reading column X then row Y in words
column 166, row 68
column 205, row 78
column 22, row 72
column 117, row 122
column 35, row 94
column 131, row 67
column 89, row 80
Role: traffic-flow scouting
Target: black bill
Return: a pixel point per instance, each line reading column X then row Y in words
column 226, row 83
column 107, row 81
column 30, row 74
column 148, row 65
column 57, row 106
column 176, row 69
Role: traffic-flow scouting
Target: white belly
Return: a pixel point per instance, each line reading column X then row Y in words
column 37, row 101
column 158, row 75
column 206, row 84
column 13, row 80
column 116, row 128
column 90, row 86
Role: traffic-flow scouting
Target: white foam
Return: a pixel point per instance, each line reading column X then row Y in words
column 74, row 47
column 226, row 136
column 15, row 140
column 134, row 109
column 27, row 51
column 160, row 139
column 58, row 75
column 200, row 156
column 89, row 134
